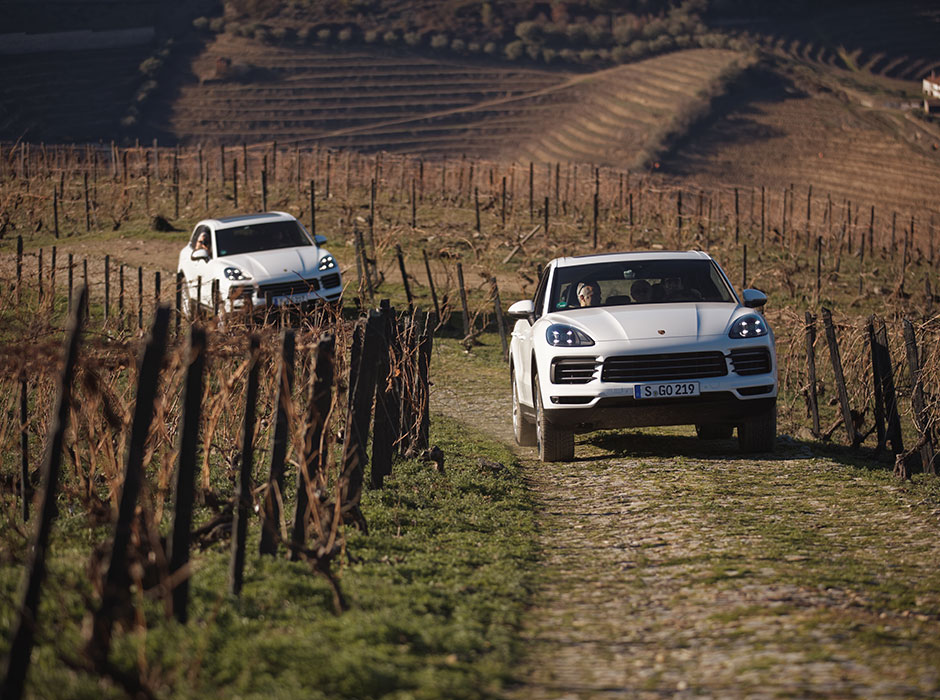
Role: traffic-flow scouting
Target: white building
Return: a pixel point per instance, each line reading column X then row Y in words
column 932, row 93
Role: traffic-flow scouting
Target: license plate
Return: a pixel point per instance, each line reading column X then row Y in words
column 665, row 390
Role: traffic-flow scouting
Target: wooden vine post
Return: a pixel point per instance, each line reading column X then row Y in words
column 185, row 485
column 23, row 636
column 273, row 495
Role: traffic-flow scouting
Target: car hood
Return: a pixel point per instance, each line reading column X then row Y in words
column 273, row 264
column 639, row 322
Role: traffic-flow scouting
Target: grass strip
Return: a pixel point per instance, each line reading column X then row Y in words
column 437, row 589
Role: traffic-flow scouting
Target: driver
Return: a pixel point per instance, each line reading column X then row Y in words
column 589, row 293
column 203, row 242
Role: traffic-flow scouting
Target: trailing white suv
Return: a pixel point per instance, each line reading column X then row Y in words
column 641, row 339
column 255, row 260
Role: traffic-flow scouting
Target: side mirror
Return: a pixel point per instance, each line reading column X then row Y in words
column 200, row 254
column 754, row 298
column 522, row 309
column 319, row 239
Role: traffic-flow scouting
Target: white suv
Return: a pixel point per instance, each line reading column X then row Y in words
column 257, row 259
column 641, row 339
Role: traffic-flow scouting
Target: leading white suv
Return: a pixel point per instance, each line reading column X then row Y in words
column 641, row 339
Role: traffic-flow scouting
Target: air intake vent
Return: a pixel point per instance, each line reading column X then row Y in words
column 654, row 368
column 330, row 281
column 289, row 288
column 573, row 370
column 750, row 361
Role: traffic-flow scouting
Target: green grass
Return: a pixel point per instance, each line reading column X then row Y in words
column 436, row 592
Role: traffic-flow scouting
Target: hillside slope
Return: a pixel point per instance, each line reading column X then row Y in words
column 375, row 100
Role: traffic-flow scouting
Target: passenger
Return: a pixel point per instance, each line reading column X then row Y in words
column 589, row 294
column 641, row 291
column 673, row 288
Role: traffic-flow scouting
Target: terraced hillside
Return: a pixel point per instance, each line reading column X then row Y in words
column 67, row 96
column 376, row 100
column 785, row 127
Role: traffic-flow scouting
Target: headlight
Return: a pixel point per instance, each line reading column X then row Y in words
column 561, row 336
column 327, row 262
column 752, row 326
column 233, row 273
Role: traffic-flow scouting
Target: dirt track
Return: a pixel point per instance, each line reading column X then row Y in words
column 673, row 567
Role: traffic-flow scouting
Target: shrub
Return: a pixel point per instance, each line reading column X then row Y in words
column 149, row 66
column 145, row 90
column 514, row 50
column 260, row 34
column 201, row 24
column 439, row 41
column 662, row 43
column 279, row 34
column 683, row 41
column 529, row 32
column 371, row 36
column 638, row 48
column 567, row 55
column 413, row 39
column 474, row 47
column 587, row 55
column 620, row 54
column 390, row 37
column 458, row 45
column 490, row 48
column 577, row 34
column 654, row 29
column 533, row 52
column 345, row 35
column 324, row 35
column 624, row 32
column 217, row 25
column 549, row 55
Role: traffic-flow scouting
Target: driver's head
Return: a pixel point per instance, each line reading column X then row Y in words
column 589, row 294
column 641, row 291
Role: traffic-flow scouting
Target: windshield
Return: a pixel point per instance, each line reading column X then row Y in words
column 638, row 282
column 268, row 236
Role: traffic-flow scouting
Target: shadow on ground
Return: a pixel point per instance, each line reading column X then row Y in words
column 632, row 443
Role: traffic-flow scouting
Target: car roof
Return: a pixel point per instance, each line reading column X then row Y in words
column 247, row 219
column 632, row 256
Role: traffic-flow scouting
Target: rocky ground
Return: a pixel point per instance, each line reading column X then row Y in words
column 674, row 567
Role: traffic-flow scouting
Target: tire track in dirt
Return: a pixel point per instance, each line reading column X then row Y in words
column 674, row 567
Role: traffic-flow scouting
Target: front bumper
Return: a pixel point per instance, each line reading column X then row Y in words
column 720, row 407
column 584, row 399
column 242, row 297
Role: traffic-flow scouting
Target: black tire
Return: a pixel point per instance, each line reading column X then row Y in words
column 759, row 433
column 522, row 428
column 714, row 431
column 555, row 445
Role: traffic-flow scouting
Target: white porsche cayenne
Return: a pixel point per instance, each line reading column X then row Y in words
column 641, row 339
column 256, row 260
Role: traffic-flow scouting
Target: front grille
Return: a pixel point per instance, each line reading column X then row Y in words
column 289, row 288
column 572, row 370
column 330, row 281
column 746, row 361
column 654, row 368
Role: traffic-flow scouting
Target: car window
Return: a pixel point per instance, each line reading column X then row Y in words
column 540, row 292
column 638, row 282
column 257, row 237
column 199, row 230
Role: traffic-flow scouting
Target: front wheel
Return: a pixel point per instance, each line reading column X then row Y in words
column 555, row 445
column 522, row 429
column 759, row 434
